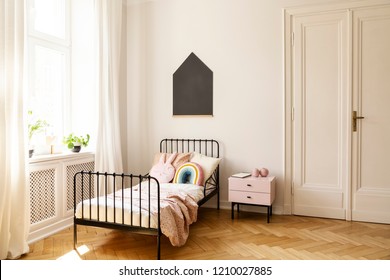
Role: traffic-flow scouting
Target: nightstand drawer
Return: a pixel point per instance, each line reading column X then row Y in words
column 251, row 197
column 251, row 184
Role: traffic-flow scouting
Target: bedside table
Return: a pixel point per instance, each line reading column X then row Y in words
column 259, row 191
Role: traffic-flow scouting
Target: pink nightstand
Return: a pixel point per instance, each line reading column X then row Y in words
column 258, row 191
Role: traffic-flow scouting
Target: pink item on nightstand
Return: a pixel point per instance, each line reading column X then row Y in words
column 255, row 172
column 264, row 172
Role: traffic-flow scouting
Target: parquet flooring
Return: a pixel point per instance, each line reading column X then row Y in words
column 215, row 236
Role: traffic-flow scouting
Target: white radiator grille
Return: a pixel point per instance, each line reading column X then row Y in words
column 71, row 170
column 42, row 195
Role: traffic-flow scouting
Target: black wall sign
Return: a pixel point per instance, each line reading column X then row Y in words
column 193, row 88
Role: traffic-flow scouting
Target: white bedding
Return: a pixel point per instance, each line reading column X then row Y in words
column 178, row 208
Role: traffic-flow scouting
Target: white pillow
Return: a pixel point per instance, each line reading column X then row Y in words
column 208, row 164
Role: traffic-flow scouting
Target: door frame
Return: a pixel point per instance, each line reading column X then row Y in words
column 288, row 40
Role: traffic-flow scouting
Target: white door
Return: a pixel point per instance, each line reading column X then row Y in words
column 320, row 114
column 371, row 100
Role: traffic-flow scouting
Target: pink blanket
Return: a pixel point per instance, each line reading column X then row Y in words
column 178, row 212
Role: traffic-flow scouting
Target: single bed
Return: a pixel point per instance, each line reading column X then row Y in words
column 147, row 204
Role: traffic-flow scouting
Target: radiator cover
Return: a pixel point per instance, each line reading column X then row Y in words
column 51, row 192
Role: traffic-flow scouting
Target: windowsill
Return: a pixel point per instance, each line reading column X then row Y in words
column 59, row 156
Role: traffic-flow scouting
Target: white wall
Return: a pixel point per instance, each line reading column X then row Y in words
column 241, row 41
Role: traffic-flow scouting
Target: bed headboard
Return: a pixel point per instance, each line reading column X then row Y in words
column 208, row 147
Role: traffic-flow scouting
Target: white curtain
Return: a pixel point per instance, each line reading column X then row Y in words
column 14, row 195
column 108, row 156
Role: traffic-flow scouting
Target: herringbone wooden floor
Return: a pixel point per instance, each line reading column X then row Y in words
column 216, row 237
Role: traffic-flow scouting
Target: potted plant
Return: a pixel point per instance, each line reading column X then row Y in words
column 34, row 126
column 75, row 143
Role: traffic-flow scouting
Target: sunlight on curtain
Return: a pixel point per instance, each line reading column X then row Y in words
column 108, row 156
column 14, row 194
column 84, row 57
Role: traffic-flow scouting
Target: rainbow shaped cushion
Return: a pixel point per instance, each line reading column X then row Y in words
column 189, row 173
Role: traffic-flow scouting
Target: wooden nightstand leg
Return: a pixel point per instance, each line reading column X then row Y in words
column 232, row 210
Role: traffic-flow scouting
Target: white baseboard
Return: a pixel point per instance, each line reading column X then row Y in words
column 48, row 230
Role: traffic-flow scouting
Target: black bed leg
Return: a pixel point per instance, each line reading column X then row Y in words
column 158, row 246
column 74, row 236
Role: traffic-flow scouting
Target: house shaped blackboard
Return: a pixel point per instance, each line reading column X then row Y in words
column 193, row 88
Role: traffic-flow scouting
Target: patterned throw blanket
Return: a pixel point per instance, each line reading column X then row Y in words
column 178, row 212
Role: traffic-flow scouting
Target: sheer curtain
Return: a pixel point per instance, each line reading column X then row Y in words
column 14, row 195
column 108, row 156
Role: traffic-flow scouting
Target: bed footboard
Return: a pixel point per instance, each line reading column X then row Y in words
column 117, row 201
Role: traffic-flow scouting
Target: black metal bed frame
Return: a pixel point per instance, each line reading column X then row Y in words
column 85, row 182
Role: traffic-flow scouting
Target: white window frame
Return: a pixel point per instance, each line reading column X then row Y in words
column 43, row 36
column 36, row 38
column 66, row 98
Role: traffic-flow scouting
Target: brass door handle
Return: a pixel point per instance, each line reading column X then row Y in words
column 355, row 117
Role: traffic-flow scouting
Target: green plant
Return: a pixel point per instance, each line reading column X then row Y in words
column 35, row 125
column 72, row 140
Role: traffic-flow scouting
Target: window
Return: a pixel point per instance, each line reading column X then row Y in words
column 50, row 18
column 60, row 59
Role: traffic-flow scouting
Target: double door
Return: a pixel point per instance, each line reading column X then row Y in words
column 339, row 93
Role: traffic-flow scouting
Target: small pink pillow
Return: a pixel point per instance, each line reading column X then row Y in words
column 164, row 171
